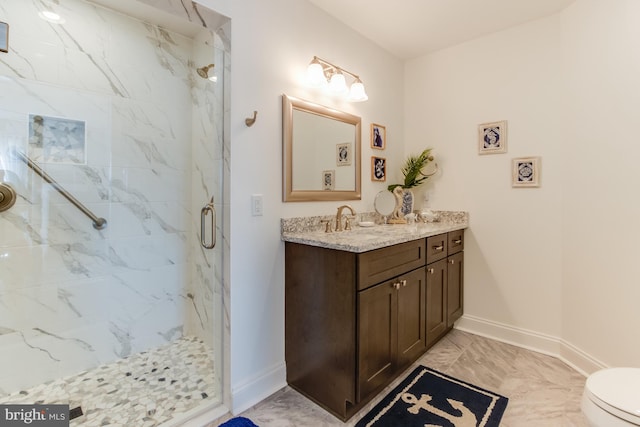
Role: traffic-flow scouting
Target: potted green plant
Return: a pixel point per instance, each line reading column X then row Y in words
column 412, row 170
column 413, row 176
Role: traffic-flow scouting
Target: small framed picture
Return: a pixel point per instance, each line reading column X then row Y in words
column 378, row 137
column 328, row 180
column 525, row 172
column 378, row 169
column 492, row 137
column 343, row 154
column 4, row 37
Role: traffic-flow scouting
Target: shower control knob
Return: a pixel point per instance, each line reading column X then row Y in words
column 7, row 196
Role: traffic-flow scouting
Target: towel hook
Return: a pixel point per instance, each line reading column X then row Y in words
column 251, row 120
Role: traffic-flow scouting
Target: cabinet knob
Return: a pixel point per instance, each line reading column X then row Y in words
column 452, row 261
column 438, row 248
column 395, row 285
column 457, row 241
column 431, row 270
column 404, row 283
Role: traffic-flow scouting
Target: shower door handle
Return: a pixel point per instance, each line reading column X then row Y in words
column 208, row 208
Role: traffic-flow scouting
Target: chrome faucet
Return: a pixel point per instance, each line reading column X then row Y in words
column 339, row 218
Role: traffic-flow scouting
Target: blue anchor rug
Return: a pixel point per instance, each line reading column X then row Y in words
column 430, row 398
column 238, row 422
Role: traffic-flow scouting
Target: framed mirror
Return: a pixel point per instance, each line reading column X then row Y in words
column 320, row 152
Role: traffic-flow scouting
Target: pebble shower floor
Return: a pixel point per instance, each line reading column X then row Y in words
column 144, row 390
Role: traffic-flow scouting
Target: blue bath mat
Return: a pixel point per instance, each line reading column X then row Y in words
column 430, row 398
column 238, row 422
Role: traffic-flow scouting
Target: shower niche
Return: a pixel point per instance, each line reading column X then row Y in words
column 131, row 105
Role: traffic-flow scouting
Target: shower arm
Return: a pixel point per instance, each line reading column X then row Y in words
column 98, row 223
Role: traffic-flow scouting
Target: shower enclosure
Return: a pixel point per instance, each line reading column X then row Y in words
column 114, row 107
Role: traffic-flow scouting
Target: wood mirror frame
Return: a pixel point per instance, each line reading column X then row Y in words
column 289, row 194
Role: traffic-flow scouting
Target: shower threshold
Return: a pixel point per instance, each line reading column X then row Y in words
column 144, row 390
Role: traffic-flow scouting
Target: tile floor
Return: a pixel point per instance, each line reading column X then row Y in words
column 542, row 390
column 144, row 390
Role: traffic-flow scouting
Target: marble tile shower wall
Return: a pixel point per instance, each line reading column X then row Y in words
column 72, row 297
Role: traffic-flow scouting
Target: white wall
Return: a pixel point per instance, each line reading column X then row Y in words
column 554, row 267
column 601, row 208
column 272, row 44
column 513, row 251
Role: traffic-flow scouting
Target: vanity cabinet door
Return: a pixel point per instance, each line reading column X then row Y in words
column 411, row 317
column 377, row 336
column 391, row 331
column 455, row 280
column 436, row 278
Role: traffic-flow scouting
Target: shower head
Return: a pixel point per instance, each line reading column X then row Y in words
column 204, row 72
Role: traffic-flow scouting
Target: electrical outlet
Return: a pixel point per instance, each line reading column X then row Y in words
column 256, row 205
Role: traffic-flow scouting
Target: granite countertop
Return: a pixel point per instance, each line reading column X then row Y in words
column 310, row 231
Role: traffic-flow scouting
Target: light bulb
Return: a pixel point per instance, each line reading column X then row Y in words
column 338, row 84
column 315, row 74
column 357, row 93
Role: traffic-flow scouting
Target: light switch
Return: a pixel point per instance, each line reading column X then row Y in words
column 256, row 205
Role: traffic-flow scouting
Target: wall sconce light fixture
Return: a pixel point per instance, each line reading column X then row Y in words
column 321, row 73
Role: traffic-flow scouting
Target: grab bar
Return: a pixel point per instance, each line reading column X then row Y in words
column 98, row 223
column 203, row 216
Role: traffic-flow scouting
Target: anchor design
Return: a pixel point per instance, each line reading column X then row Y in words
column 465, row 419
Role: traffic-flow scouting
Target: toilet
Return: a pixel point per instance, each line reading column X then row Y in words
column 611, row 398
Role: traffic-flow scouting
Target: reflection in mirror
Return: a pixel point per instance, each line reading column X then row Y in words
column 321, row 152
column 384, row 204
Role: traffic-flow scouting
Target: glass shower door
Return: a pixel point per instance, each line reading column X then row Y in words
column 111, row 105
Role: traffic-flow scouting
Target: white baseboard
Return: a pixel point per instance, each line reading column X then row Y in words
column 531, row 340
column 198, row 417
column 256, row 389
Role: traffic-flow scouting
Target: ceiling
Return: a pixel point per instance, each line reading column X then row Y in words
column 412, row 28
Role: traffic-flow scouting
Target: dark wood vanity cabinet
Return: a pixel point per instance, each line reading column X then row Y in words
column 436, row 279
column 354, row 321
column 455, row 276
column 391, row 329
column 445, row 280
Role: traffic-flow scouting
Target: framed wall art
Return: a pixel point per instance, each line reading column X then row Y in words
column 378, row 169
column 378, row 136
column 4, row 37
column 525, row 172
column 343, row 154
column 492, row 137
column 328, row 180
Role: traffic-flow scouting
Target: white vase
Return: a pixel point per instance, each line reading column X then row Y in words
column 407, row 202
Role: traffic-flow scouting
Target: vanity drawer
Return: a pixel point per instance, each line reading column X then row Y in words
column 456, row 242
column 382, row 264
column 436, row 247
